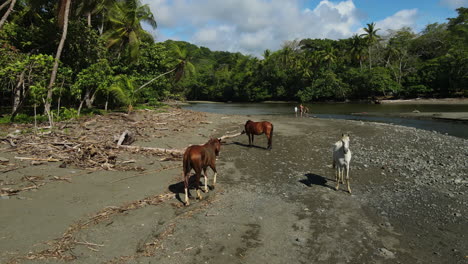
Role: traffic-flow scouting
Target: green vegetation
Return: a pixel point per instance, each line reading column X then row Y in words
column 61, row 58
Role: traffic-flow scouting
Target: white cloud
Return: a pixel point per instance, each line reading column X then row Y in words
column 454, row 3
column 403, row 18
column 251, row 26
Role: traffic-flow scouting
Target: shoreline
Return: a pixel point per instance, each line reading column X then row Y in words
column 447, row 116
column 426, row 101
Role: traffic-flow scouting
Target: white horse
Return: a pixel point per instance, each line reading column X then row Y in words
column 341, row 160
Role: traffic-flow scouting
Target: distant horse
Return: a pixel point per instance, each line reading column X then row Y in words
column 257, row 128
column 198, row 158
column 306, row 111
column 341, row 160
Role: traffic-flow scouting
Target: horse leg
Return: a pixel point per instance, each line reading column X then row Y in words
column 347, row 178
column 197, row 184
column 213, row 167
column 341, row 177
column 269, row 137
column 250, row 140
column 337, row 177
column 206, row 180
column 186, row 185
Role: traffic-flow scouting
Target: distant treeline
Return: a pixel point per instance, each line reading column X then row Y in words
column 74, row 54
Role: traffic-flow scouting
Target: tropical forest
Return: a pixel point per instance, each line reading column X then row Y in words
column 64, row 58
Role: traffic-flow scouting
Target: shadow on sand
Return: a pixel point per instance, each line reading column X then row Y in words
column 315, row 179
column 247, row 146
column 178, row 188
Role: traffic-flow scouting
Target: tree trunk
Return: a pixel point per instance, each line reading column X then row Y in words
column 17, row 93
column 35, row 117
column 49, row 115
column 59, row 99
column 53, row 75
column 4, row 4
column 88, row 16
column 370, row 58
column 81, row 106
column 101, row 27
column 7, row 13
column 152, row 80
column 87, row 98
column 107, row 102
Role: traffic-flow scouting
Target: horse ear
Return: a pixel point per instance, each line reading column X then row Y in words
column 342, row 135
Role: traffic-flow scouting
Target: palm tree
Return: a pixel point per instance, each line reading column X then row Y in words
column 126, row 32
column 328, row 56
column 356, row 49
column 7, row 12
column 63, row 23
column 371, row 37
column 94, row 7
column 124, row 90
column 182, row 68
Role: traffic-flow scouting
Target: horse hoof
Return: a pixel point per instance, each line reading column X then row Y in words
column 205, row 190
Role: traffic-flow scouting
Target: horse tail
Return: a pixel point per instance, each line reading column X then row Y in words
column 186, row 162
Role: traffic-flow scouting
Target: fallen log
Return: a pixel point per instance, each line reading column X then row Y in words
column 126, row 138
column 38, row 159
column 169, row 151
column 231, row 136
column 157, row 150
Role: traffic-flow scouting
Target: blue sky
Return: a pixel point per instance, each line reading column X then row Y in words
column 251, row 26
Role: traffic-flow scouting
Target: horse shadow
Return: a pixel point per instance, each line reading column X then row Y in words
column 247, row 145
column 179, row 188
column 314, row 179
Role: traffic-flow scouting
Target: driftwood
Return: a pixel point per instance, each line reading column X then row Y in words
column 37, row 159
column 11, row 191
column 9, row 140
column 157, row 150
column 175, row 152
column 126, row 138
column 231, row 136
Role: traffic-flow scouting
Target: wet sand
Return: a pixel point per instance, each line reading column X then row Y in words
column 408, row 205
column 427, row 101
column 449, row 116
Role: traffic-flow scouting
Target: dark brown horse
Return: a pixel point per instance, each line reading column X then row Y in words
column 198, row 158
column 257, row 128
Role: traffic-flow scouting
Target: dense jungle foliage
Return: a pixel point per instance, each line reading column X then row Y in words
column 58, row 57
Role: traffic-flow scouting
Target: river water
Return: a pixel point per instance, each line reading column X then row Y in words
column 352, row 111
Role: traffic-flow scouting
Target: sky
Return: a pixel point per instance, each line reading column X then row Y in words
column 252, row 26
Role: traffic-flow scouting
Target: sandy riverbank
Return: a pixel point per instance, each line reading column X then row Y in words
column 408, row 205
column 449, row 116
column 427, row 101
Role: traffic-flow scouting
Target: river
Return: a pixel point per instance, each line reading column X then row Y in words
column 351, row 111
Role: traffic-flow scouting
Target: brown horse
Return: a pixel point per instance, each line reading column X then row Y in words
column 257, row 128
column 198, row 158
